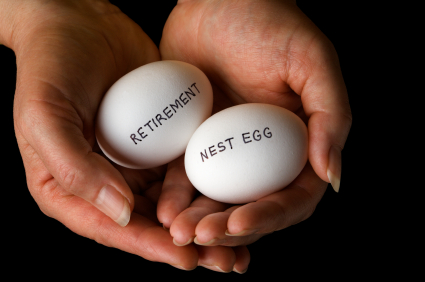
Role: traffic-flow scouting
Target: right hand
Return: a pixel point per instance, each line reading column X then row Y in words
column 258, row 51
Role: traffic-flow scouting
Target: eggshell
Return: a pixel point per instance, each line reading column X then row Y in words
column 147, row 117
column 246, row 152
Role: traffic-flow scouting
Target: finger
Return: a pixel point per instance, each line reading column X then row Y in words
column 217, row 258
column 212, row 231
column 224, row 259
column 52, row 126
column 177, row 193
column 142, row 237
column 279, row 210
column 183, row 227
column 243, row 259
column 325, row 101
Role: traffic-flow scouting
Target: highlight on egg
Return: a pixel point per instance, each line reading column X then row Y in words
column 147, row 117
column 246, row 152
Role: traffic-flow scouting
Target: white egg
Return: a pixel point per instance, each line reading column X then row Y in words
column 147, row 117
column 246, row 152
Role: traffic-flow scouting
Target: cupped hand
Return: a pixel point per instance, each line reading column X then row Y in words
column 68, row 54
column 257, row 51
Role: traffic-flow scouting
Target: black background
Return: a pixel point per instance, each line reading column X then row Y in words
column 341, row 236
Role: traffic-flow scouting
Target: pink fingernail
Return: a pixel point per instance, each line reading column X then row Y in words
column 242, row 233
column 240, row 272
column 182, row 268
column 113, row 204
column 214, row 268
column 204, row 244
column 334, row 167
column 184, row 244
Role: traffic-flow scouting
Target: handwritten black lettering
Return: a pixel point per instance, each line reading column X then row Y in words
column 221, row 146
column 268, row 134
column 159, row 118
column 176, row 106
column 204, row 156
column 184, row 100
column 148, row 125
column 133, row 137
column 141, row 133
column 230, row 143
column 166, row 113
column 212, row 152
column 246, row 138
column 256, row 136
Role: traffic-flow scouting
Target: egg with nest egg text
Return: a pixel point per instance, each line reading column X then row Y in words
column 246, row 152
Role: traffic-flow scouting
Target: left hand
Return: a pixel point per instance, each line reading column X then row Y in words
column 68, row 54
column 257, row 52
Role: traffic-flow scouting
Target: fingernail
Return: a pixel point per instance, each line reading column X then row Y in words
column 182, row 268
column 204, row 244
column 242, row 233
column 113, row 204
column 240, row 272
column 184, row 244
column 214, row 268
column 334, row 167
column 165, row 228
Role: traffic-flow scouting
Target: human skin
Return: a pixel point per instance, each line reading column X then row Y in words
column 54, row 116
column 68, row 53
column 258, row 52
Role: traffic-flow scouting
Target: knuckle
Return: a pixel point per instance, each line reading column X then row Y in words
column 69, row 177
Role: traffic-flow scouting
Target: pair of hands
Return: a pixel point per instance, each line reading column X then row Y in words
column 70, row 52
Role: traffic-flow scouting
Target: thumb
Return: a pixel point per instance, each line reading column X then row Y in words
column 53, row 127
column 325, row 102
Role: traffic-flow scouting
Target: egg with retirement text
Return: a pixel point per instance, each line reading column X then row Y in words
column 246, row 152
column 147, row 117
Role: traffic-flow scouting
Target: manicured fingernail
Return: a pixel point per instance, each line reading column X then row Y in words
column 113, row 204
column 334, row 167
column 184, row 244
column 240, row 272
column 214, row 268
column 182, row 268
column 242, row 233
column 204, row 244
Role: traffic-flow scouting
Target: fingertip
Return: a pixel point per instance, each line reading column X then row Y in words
column 191, row 239
column 334, row 167
column 246, row 220
column 183, row 268
column 124, row 217
column 208, row 243
column 166, row 212
column 185, row 259
column 217, row 258
column 327, row 136
column 244, row 232
column 243, row 258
